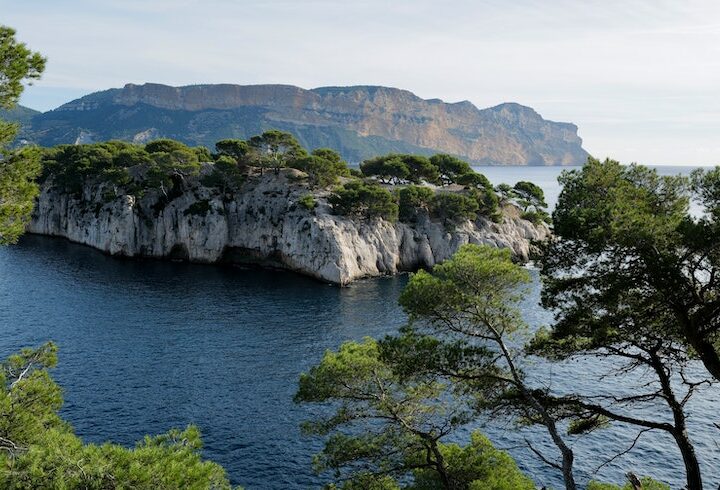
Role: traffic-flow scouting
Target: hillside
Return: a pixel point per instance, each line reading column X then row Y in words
column 359, row 122
column 19, row 114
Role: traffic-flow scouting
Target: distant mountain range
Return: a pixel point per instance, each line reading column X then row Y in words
column 359, row 122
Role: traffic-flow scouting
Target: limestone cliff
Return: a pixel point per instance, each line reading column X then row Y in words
column 359, row 122
column 264, row 224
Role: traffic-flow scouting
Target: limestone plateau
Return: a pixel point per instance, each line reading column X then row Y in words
column 359, row 122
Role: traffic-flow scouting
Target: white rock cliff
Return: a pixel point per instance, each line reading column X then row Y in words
column 264, row 224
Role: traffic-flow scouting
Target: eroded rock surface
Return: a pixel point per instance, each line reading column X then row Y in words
column 264, row 224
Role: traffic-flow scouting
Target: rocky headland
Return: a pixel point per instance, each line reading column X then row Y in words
column 265, row 224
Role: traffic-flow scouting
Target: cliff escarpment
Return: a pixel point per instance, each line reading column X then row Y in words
column 265, row 224
column 359, row 122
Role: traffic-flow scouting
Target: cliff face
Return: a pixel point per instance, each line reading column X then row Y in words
column 359, row 122
column 265, row 225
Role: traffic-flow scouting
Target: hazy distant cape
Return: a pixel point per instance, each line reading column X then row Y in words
column 359, row 122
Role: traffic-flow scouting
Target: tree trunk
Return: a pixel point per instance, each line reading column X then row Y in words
column 679, row 430
column 707, row 354
column 447, row 481
column 567, row 454
column 692, row 468
column 439, row 464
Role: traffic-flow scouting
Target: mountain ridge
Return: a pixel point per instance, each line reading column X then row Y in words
column 359, row 121
column 18, row 114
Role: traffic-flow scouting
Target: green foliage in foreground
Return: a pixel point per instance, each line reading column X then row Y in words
column 411, row 415
column 18, row 65
column 18, row 169
column 40, row 450
column 634, row 278
column 397, row 400
column 477, row 466
column 18, row 190
column 647, row 484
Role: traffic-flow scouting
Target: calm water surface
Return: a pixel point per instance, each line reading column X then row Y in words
column 150, row 345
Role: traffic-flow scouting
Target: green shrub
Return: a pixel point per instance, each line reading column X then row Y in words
column 226, row 175
column 474, row 180
column 479, row 465
column 235, row 149
column 454, row 208
column 647, row 484
column 364, row 200
column 530, row 195
column 536, row 217
column 165, row 145
column 397, row 168
column 487, row 201
column 413, row 200
column 324, row 166
column 202, row 154
column 73, row 166
column 130, row 157
column 274, row 149
column 308, row 202
column 388, row 169
column 450, row 168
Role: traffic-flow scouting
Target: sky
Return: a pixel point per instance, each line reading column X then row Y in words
column 640, row 78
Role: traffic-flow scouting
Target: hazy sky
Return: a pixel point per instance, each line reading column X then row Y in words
column 641, row 78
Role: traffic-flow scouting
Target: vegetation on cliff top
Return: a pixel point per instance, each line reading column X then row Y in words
column 395, row 186
column 18, row 169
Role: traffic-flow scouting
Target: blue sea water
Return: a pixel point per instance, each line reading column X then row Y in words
column 149, row 345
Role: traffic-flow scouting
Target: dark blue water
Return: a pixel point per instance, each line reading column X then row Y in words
column 150, row 345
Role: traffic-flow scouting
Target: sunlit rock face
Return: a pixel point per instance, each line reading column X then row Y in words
column 359, row 122
column 264, row 224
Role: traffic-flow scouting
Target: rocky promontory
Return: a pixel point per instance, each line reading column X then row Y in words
column 265, row 224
